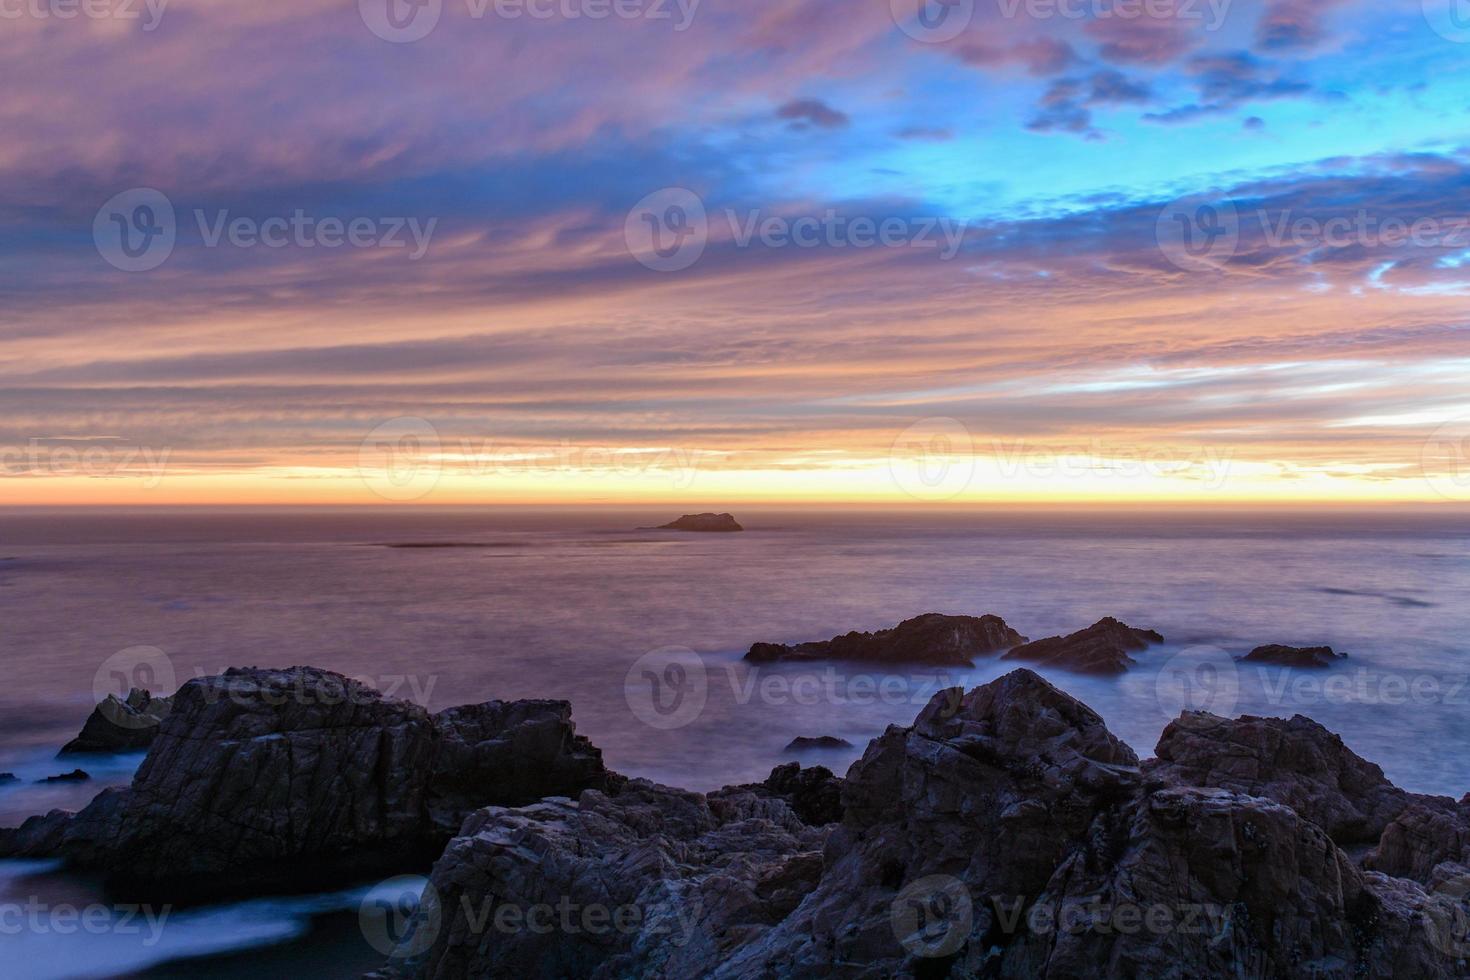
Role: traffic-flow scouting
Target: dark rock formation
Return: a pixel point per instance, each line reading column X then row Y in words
column 930, row 639
column 8, row 777
column 702, row 522
column 1309, row 657
column 118, row 725
column 278, row 778
column 813, row 793
column 1005, row 834
column 75, row 776
column 804, row 742
column 1102, row 648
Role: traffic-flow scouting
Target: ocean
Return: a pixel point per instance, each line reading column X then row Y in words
column 456, row 606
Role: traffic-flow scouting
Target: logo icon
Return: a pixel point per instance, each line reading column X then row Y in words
column 668, row 230
column 667, row 688
column 1198, row 233
column 1450, row 19
column 1199, row 678
column 401, row 917
column 135, row 231
column 147, row 668
column 933, row 459
column 400, row 460
column 1445, row 459
column 400, row 21
column 932, row 21
column 932, row 917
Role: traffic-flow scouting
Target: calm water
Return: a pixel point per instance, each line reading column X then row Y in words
column 565, row 604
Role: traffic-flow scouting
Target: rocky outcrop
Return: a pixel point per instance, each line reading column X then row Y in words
column 75, row 776
column 121, row 724
column 804, row 742
column 274, row 778
column 716, row 523
column 1311, row 658
column 813, row 793
column 1006, row 833
column 1102, row 648
column 1429, row 832
column 930, row 639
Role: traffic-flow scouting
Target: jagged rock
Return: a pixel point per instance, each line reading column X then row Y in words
column 804, row 742
column 1284, row 656
column 1430, row 831
column 702, row 522
column 932, row 638
column 967, row 845
column 272, row 778
column 1292, row 761
column 75, row 776
column 1102, row 648
column 121, row 725
column 813, row 793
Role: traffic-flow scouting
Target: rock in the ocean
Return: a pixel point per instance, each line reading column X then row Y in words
column 121, row 725
column 75, row 776
column 1310, row 657
column 702, row 522
column 1006, row 834
column 8, row 777
column 804, row 742
column 1102, row 648
column 930, row 639
column 301, row 777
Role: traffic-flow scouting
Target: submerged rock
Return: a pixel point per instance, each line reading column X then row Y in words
column 1309, row 657
column 1006, row 833
column 121, row 725
column 302, row 778
column 702, row 522
column 1102, row 648
column 930, row 639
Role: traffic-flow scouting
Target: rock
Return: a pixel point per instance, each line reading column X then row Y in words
column 1006, row 833
column 264, row 779
column 1102, row 648
column 1428, row 832
column 1292, row 761
column 803, row 742
column 1308, row 657
column 813, row 793
column 75, row 776
column 121, row 725
column 702, row 522
column 930, row 639
column 8, row 777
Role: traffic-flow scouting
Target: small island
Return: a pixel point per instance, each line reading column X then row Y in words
column 716, row 523
column 1312, row 658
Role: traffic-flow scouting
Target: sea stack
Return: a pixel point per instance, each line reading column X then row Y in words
column 716, row 523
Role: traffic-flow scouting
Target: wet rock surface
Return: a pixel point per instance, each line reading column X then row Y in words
column 931, row 639
column 1311, row 658
column 1102, row 648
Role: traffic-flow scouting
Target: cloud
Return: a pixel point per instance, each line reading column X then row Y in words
column 812, row 112
column 1290, row 25
column 1066, row 104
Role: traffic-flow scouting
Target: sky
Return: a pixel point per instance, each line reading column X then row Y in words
column 706, row 252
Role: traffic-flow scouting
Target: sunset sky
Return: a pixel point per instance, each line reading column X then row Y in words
column 501, row 330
